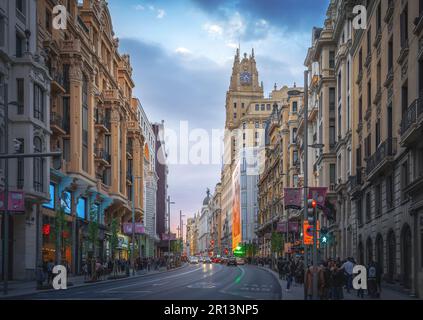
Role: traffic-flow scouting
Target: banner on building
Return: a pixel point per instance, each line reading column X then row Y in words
column 236, row 207
column 139, row 228
column 16, row 201
column 167, row 237
column 293, row 198
column 318, row 194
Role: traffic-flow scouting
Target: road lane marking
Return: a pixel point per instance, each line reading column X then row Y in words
column 151, row 281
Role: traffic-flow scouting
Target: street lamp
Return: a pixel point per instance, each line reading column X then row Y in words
column 168, row 222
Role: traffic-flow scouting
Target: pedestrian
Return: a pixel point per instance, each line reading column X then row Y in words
column 50, row 266
column 372, row 280
column 85, row 271
column 280, row 267
column 308, row 284
column 290, row 275
column 348, row 267
column 40, row 276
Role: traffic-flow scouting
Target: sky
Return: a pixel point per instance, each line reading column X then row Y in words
column 182, row 53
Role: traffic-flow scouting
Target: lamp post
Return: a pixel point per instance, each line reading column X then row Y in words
column 168, row 221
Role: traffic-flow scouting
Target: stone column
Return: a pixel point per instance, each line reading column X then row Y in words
column 75, row 79
column 115, row 149
column 91, row 129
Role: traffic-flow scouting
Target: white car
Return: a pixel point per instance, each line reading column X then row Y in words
column 193, row 260
column 240, row 261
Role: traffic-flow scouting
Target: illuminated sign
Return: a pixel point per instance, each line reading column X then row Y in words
column 308, row 232
column 236, row 208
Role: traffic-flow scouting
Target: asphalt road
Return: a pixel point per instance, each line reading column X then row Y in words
column 194, row 282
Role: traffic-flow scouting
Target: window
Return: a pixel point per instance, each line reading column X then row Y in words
column 421, row 78
column 85, row 124
column 368, row 207
column 369, row 94
column 295, row 107
column 234, row 105
column 52, row 193
column 19, row 46
column 81, row 208
column 339, row 86
column 263, row 107
column 268, row 107
column 38, row 103
column 360, row 61
column 20, row 95
column 332, row 99
column 405, row 179
column 2, row 31
column 379, row 18
column 331, row 59
column 257, row 107
column 38, row 166
column 21, row 166
column 257, row 125
column 48, row 20
column 404, row 98
column 235, row 115
column 404, row 27
column 368, row 145
column 294, row 135
column 360, row 109
column 379, row 76
column 358, row 155
column 359, row 205
column 378, row 199
column 66, row 150
column 20, row 6
column 295, row 156
column 420, row 162
column 369, row 42
column 390, row 192
column 377, row 135
column 332, row 173
column 66, row 69
column 332, row 133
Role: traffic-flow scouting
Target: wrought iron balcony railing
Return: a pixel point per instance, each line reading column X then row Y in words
column 386, row 149
column 412, row 115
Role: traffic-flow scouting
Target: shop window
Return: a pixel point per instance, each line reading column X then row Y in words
column 81, row 208
column 66, row 202
column 52, row 193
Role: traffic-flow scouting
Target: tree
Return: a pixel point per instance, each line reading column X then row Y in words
column 277, row 242
column 62, row 229
column 93, row 231
column 113, row 241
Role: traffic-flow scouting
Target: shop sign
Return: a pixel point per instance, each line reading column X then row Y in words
column 16, row 201
column 139, row 228
column 293, row 198
column 123, row 242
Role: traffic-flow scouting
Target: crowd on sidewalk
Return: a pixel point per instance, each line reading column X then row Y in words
column 333, row 277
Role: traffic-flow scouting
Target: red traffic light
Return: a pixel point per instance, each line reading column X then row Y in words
column 313, row 204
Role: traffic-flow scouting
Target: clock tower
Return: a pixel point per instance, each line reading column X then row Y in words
column 243, row 89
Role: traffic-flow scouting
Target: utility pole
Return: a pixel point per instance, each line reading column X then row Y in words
column 305, row 168
column 168, row 221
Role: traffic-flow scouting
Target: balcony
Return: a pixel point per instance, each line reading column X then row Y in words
column 378, row 96
column 102, row 124
column 411, row 123
column 129, row 176
column 129, row 149
column 356, row 183
column 404, row 51
column 368, row 61
column 57, row 124
column 378, row 38
column 382, row 158
column 102, row 157
column 389, row 78
column 58, row 84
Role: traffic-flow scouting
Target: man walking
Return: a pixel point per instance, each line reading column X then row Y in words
column 348, row 267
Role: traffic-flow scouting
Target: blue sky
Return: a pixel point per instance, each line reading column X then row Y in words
column 182, row 54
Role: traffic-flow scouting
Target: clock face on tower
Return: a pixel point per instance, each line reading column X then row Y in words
column 245, row 78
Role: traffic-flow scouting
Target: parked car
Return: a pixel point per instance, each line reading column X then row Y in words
column 207, row 260
column 193, row 260
column 231, row 262
column 240, row 261
column 216, row 260
column 224, row 260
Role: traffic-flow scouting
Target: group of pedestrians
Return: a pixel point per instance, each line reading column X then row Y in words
column 333, row 277
column 44, row 273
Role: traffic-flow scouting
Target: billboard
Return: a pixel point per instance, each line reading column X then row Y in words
column 16, row 201
column 236, row 207
column 139, row 228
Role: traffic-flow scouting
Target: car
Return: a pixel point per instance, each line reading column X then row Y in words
column 193, row 260
column 217, row 260
column 231, row 262
column 240, row 261
column 224, row 260
column 207, row 260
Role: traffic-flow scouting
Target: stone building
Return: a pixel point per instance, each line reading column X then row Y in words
column 96, row 126
column 25, row 92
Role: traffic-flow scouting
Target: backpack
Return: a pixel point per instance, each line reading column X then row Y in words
column 372, row 272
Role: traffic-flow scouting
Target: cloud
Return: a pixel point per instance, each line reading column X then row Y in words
column 160, row 13
column 139, row 7
column 213, row 29
column 183, row 51
column 276, row 13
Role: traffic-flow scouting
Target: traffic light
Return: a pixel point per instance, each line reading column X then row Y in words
column 312, row 204
column 324, row 237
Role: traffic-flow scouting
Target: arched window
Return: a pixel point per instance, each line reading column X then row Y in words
column 38, row 166
column 391, row 255
column 406, row 251
column 379, row 250
column 360, row 253
column 369, row 250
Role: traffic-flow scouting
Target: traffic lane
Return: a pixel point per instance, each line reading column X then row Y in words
column 201, row 287
column 255, row 283
column 92, row 289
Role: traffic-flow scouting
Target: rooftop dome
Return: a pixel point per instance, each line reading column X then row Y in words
column 207, row 198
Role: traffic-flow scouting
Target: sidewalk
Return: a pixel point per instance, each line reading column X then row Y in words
column 21, row 288
column 297, row 291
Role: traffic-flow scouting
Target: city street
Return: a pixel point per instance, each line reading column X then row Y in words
column 194, row 282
